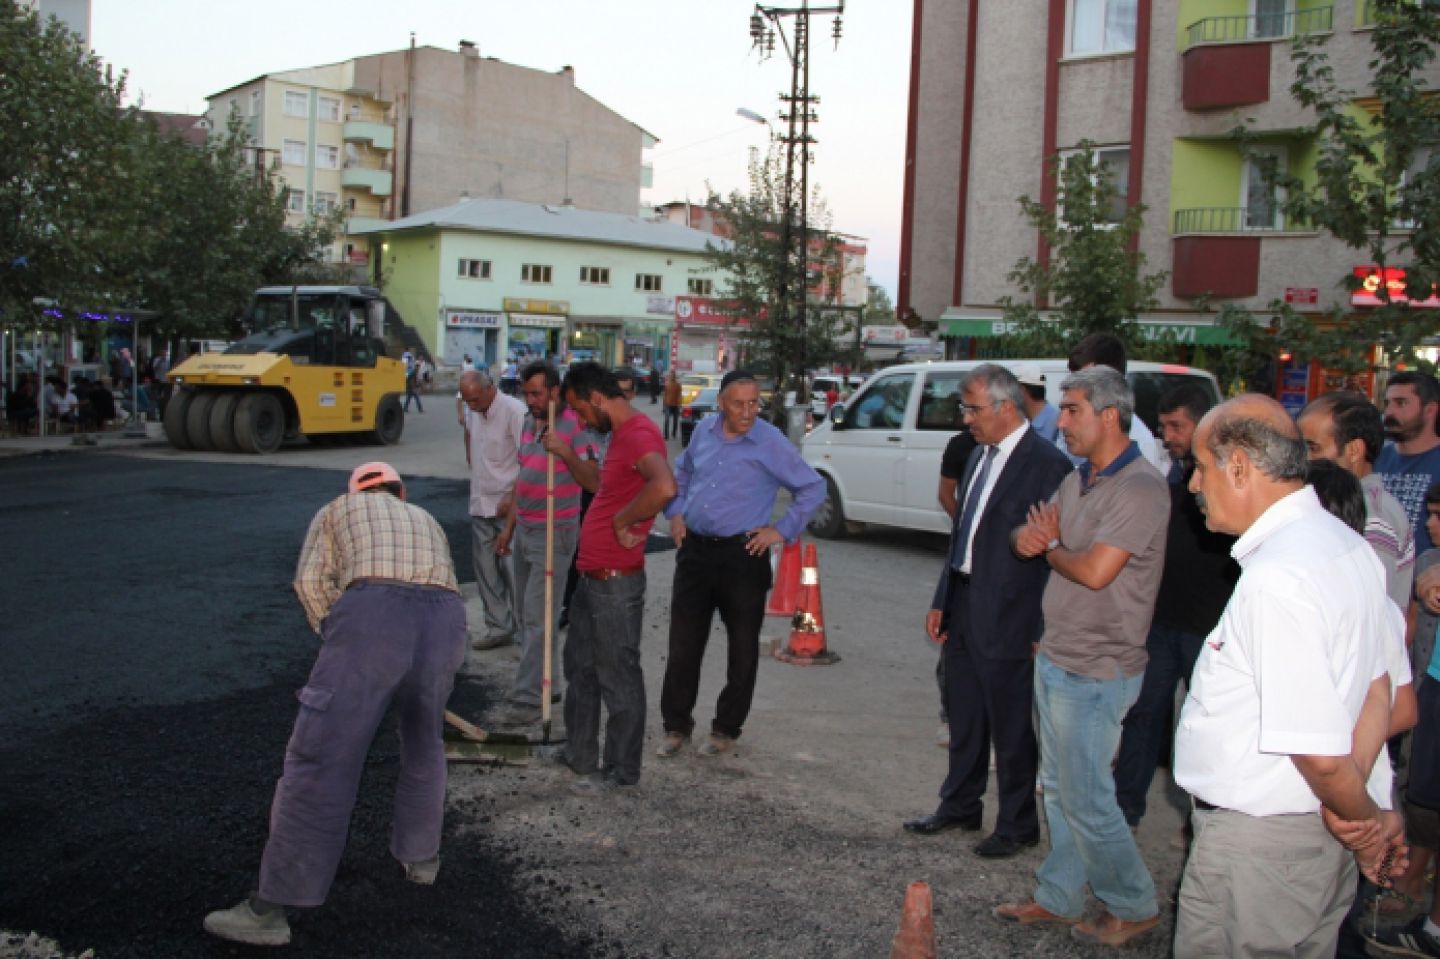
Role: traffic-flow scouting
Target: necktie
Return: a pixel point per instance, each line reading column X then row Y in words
column 1177, row 473
column 972, row 503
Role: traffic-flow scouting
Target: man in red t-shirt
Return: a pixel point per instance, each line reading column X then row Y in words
column 602, row 648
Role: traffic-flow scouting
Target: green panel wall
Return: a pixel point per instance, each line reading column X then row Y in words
column 1204, row 173
column 1193, row 10
column 411, row 270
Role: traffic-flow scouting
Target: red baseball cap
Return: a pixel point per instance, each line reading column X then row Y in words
column 371, row 475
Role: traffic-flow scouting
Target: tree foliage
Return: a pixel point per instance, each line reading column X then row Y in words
column 1376, row 188
column 751, row 265
column 1093, row 280
column 102, row 211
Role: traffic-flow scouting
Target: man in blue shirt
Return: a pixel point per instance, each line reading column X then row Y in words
column 1410, row 463
column 726, row 481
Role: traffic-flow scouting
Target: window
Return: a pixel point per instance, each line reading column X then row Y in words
column 327, row 157
column 940, row 401
column 1101, row 26
column 254, row 103
column 595, row 275
column 883, row 405
column 534, row 273
column 1270, row 17
column 475, row 269
column 1260, row 201
column 1113, row 164
column 1425, row 156
column 295, row 201
column 328, row 108
column 648, row 282
column 234, row 107
column 297, row 104
column 699, row 287
column 295, row 152
column 325, row 203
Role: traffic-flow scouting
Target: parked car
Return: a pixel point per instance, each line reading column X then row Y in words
column 692, row 383
column 707, row 401
column 880, row 452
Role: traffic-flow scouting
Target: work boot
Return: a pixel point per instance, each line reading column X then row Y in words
column 241, row 923
column 674, row 742
column 423, row 873
column 717, row 743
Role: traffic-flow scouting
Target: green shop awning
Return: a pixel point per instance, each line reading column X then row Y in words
column 1203, row 334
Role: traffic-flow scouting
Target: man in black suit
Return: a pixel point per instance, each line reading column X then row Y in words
column 986, row 612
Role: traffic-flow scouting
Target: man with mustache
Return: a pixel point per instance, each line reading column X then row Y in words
column 1412, row 461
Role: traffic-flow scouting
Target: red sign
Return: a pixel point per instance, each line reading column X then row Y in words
column 1302, row 295
column 1394, row 279
column 705, row 311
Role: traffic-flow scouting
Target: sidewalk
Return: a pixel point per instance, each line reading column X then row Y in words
column 76, row 442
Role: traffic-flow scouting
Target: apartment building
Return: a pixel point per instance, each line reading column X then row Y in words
column 384, row 136
column 999, row 89
column 496, row 279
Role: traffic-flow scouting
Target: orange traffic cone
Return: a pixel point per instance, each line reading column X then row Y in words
column 915, row 939
column 787, row 583
column 807, row 627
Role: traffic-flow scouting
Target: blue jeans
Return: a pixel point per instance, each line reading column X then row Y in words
column 1089, row 841
column 1147, row 726
column 602, row 664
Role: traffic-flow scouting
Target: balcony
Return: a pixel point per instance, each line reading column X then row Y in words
column 379, row 135
column 1225, row 76
column 377, row 181
column 1267, row 26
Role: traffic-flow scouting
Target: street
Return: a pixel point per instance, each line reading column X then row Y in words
column 153, row 647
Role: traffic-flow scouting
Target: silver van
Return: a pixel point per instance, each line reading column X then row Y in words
column 880, row 452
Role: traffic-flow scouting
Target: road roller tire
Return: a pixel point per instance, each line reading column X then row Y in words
column 197, row 420
column 222, row 422
column 176, row 412
column 259, row 423
column 389, row 421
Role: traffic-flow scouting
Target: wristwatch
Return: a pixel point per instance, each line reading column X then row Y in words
column 1053, row 544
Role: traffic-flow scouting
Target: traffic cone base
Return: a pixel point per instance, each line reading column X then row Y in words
column 807, row 626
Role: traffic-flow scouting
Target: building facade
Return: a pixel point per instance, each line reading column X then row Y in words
column 384, row 136
column 497, row 279
column 999, row 90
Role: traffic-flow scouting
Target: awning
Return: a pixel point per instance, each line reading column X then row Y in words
column 1202, row 334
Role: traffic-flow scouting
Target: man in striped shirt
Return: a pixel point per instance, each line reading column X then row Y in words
column 576, row 468
column 378, row 584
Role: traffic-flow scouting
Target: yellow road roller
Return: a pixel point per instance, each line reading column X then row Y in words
column 313, row 364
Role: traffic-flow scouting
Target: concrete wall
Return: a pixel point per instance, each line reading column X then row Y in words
column 491, row 129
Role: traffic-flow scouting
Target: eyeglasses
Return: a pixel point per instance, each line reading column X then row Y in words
column 967, row 409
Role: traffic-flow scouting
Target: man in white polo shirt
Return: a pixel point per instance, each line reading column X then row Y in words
column 1265, row 736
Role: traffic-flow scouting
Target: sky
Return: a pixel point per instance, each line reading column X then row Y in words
column 678, row 68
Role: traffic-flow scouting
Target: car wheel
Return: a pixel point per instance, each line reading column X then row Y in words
column 829, row 520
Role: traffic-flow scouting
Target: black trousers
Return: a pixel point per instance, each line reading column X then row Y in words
column 714, row 575
column 990, row 701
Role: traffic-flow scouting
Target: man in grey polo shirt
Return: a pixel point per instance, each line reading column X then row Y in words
column 1104, row 537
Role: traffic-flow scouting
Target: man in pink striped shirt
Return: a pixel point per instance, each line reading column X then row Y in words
column 576, row 467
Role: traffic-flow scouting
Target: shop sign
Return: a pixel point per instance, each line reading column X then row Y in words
column 660, row 305
column 884, row 335
column 472, row 320
column 1184, row 333
column 537, row 320
column 550, row 307
column 1368, row 294
column 704, row 311
column 1302, row 296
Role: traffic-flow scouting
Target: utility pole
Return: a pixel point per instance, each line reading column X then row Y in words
column 798, row 114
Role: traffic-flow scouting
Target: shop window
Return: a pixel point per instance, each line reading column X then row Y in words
column 475, row 269
column 648, row 282
column 535, row 273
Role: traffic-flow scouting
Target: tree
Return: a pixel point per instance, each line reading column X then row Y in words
column 1093, row 280
column 752, row 262
column 879, row 311
column 1376, row 188
column 101, row 212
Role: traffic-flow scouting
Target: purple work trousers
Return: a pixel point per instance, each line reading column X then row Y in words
column 381, row 644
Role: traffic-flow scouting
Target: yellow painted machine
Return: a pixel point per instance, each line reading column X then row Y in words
column 313, row 365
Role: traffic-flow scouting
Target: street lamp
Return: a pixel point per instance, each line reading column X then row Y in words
column 747, row 114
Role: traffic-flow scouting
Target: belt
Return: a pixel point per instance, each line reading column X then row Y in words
column 385, row 581
column 604, row 574
column 717, row 540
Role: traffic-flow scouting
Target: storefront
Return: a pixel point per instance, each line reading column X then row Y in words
column 473, row 333
column 535, row 328
column 647, row 341
column 707, row 333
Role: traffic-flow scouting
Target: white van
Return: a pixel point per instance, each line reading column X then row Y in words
column 881, row 458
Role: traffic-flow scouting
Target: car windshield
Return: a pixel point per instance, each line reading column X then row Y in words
column 694, row 379
column 707, row 396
